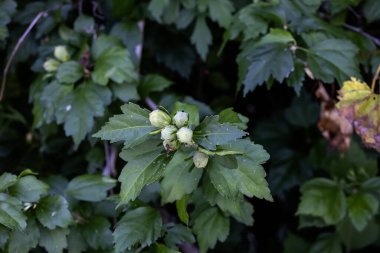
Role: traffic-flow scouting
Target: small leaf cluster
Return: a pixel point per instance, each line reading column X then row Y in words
column 207, row 163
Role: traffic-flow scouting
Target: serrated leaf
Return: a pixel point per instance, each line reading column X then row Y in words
column 268, row 60
column 54, row 241
column 327, row 243
column 69, row 72
column 130, row 232
column 160, row 248
column 211, row 133
column 81, row 107
column 53, row 211
column 157, row 7
column 178, row 234
column 371, row 10
column 92, row 188
column 332, row 59
column 361, row 209
column 323, row 198
column 142, row 170
column 4, row 236
column 11, row 214
column 233, row 118
column 153, row 83
column 210, row 226
column 7, row 180
column 132, row 126
column 28, row 189
column 180, row 178
column 97, row 233
column 201, row 37
column 221, row 11
column 112, row 62
column 24, row 241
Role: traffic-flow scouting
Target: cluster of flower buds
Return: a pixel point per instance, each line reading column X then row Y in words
column 173, row 131
column 61, row 54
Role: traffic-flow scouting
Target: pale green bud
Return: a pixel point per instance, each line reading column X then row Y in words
column 185, row 135
column 181, row 119
column 61, row 53
column 171, row 145
column 168, row 133
column 200, row 159
column 159, row 118
column 51, row 65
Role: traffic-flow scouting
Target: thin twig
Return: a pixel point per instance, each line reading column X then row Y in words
column 152, row 105
column 375, row 79
column 15, row 49
column 365, row 34
column 110, row 153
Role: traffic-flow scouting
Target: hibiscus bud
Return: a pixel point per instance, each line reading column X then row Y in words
column 51, row 65
column 159, row 118
column 168, row 133
column 200, row 159
column 61, row 53
column 171, row 145
column 180, row 119
column 185, row 135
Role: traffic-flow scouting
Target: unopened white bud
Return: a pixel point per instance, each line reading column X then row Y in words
column 159, row 118
column 200, row 159
column 171, row 145
column 168, row 133
column 185, row 135
column 51, row 65
column 61, row 53
column 180, row 119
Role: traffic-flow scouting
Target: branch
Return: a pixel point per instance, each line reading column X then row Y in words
column 110, row 168
column 365, row 34
column 15, row 49
column 152, row 105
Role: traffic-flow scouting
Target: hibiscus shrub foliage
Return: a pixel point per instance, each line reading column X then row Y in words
column 189, row 126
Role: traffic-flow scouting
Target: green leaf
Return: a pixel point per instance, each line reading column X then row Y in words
column 54, row 241
column 132, row 126
column 268, row 60
column 371, row 10
column 130, row 231
column 92, row 188
column 53, row 211
column 361, row 209
column 143, row 169
column 323, row 198
column 210, row 226
column 252, row 152
column 84, row 24
column 221, row 11
column 247, row 179
column 160, row 248
column 112, row 62
column 81, row 107
column 157, row 7
column 190, row 109
column 76, row 242
column 295, row 244
column 11, row 215
column 180, row 178
column 333, row 59
column 240, row 209
column 125, row 92
column 297, row 77
column 327, row 243
column 153, row 83
column 97, row 233
column 4, row 236
column 233, row 118
column 211, row 133
column 178, row 234
column 372, row 186
column 103, row 43
column 69, row 72
column 23, row 241
column 29, row 189
column 201, row 37
column 181, row 206
column 7, row 180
